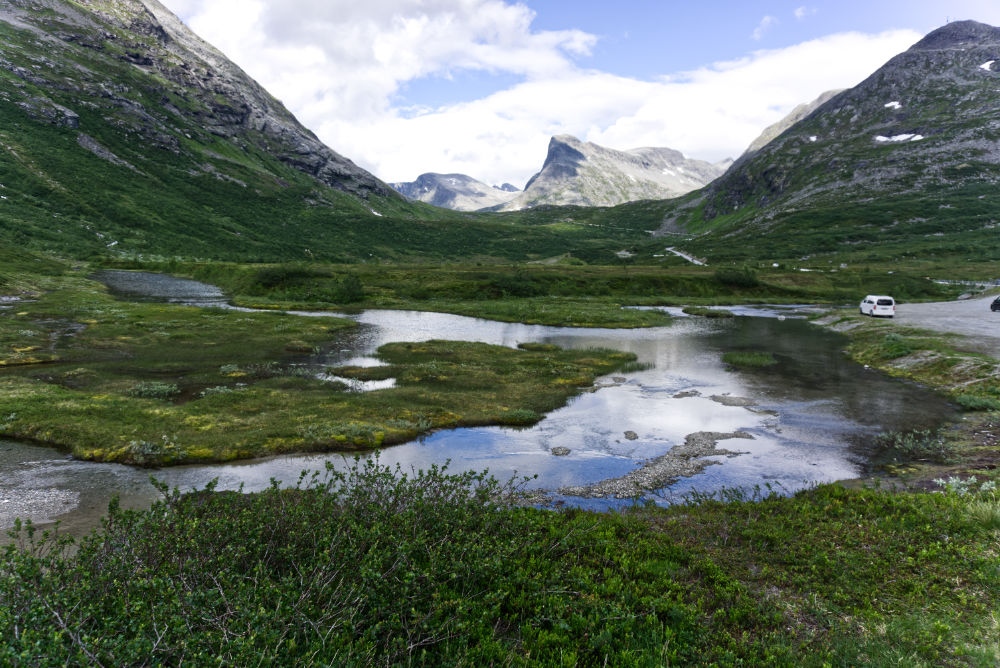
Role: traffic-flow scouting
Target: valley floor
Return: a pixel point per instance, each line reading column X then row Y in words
column 372, row 567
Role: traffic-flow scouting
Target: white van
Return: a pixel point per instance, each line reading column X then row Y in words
column 874, row 305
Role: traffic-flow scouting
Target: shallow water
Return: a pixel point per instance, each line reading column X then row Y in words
column 807, row 410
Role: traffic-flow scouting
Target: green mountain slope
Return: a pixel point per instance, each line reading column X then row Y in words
column 903, row 165
column 123, row 134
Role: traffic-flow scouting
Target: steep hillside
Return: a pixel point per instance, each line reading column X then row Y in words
column 585, row 174
column 794, row 116
column 123, row 134
column 456, row 191
column 121, row 131
column 904, row 164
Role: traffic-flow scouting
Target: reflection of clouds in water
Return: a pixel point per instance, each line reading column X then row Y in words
column 820, row 398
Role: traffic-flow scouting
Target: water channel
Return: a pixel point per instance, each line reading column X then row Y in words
column 802, row 414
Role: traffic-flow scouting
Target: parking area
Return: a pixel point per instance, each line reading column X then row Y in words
column 969, row 317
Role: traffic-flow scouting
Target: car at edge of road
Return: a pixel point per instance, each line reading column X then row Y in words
column 875, row 305
column 995, row 305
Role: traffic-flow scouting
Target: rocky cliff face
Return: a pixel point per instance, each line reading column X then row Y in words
column 190, row 90
column 927, row 121
column 582, row 173
column 456, row 191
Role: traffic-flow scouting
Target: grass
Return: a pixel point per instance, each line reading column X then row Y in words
column 374, row 566
column 705, row 312
column 556, row 295
column 380, row 566
column 156, row 384
column 970, row 379
column 751, row 359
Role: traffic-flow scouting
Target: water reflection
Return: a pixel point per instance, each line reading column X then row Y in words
column 808, row 407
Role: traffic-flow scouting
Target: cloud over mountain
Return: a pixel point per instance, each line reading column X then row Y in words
column 344, row 67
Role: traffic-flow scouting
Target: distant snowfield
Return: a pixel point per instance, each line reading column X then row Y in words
column 898, row 138
column 893, row 105
column 988, row 65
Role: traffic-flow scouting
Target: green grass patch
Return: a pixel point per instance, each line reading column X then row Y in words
column 159, row 384
column 751, row 359
column 706, row 312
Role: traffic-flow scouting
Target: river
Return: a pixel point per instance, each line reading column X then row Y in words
column 802, row 414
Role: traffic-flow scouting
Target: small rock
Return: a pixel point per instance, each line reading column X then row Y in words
column 560, row 451
column 687, row 393
column 631, row 435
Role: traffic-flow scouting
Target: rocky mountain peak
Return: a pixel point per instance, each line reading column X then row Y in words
column 958, row 34
column 455, row 191
column 582, row 173
column 212, row 93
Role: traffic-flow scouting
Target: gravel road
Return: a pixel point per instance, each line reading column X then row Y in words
column 971, row 318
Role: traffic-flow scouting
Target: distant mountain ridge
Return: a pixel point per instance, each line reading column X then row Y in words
column 586, row 174
column 456, row 191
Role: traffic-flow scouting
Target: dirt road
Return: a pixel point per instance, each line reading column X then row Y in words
column 970, row 317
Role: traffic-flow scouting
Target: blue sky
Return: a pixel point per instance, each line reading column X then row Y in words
column 478, row 86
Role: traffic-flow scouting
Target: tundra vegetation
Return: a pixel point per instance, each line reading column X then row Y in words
column 147, row 383
column 375, row 565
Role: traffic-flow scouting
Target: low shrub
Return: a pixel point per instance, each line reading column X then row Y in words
column 917, row 445
column 739, row 277
column 976, row 402
column 895, row 346
column 154, row 390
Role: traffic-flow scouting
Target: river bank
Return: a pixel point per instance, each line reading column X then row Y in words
column 950, row 347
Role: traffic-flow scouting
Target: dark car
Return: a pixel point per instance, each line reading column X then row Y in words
column 995, row 306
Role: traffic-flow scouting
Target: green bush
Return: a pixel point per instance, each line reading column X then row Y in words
column 975, row 402
column 282, row 275
column 368, row 567
column 739, row 277
column 914, row 445
column 895, row 346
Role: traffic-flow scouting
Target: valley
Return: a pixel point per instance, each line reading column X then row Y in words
column 259, row 408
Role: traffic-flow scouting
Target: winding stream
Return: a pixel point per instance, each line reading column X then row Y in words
column 801, row 414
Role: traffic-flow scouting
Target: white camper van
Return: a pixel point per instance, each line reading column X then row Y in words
column 874, row 305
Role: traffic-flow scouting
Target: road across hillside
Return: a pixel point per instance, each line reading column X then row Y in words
column 969, row 317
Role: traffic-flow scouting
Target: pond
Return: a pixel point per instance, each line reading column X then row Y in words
column 790, row 425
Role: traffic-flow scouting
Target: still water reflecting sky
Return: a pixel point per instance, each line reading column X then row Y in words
column 809, row 406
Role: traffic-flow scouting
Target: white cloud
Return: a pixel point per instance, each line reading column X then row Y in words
column 802, row 12
column 763, row 26
column 339, row 67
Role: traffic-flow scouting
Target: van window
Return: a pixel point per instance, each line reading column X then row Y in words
column 885, row 302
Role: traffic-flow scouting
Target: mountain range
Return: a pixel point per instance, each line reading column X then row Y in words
column 910, row 154
column 456, row 191
column 574, row 173
column 123, row 134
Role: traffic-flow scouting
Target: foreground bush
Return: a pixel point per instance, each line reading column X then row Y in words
column 366, row 567
column 374, row 567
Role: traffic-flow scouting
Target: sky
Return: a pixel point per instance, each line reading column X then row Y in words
column 478, row 87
